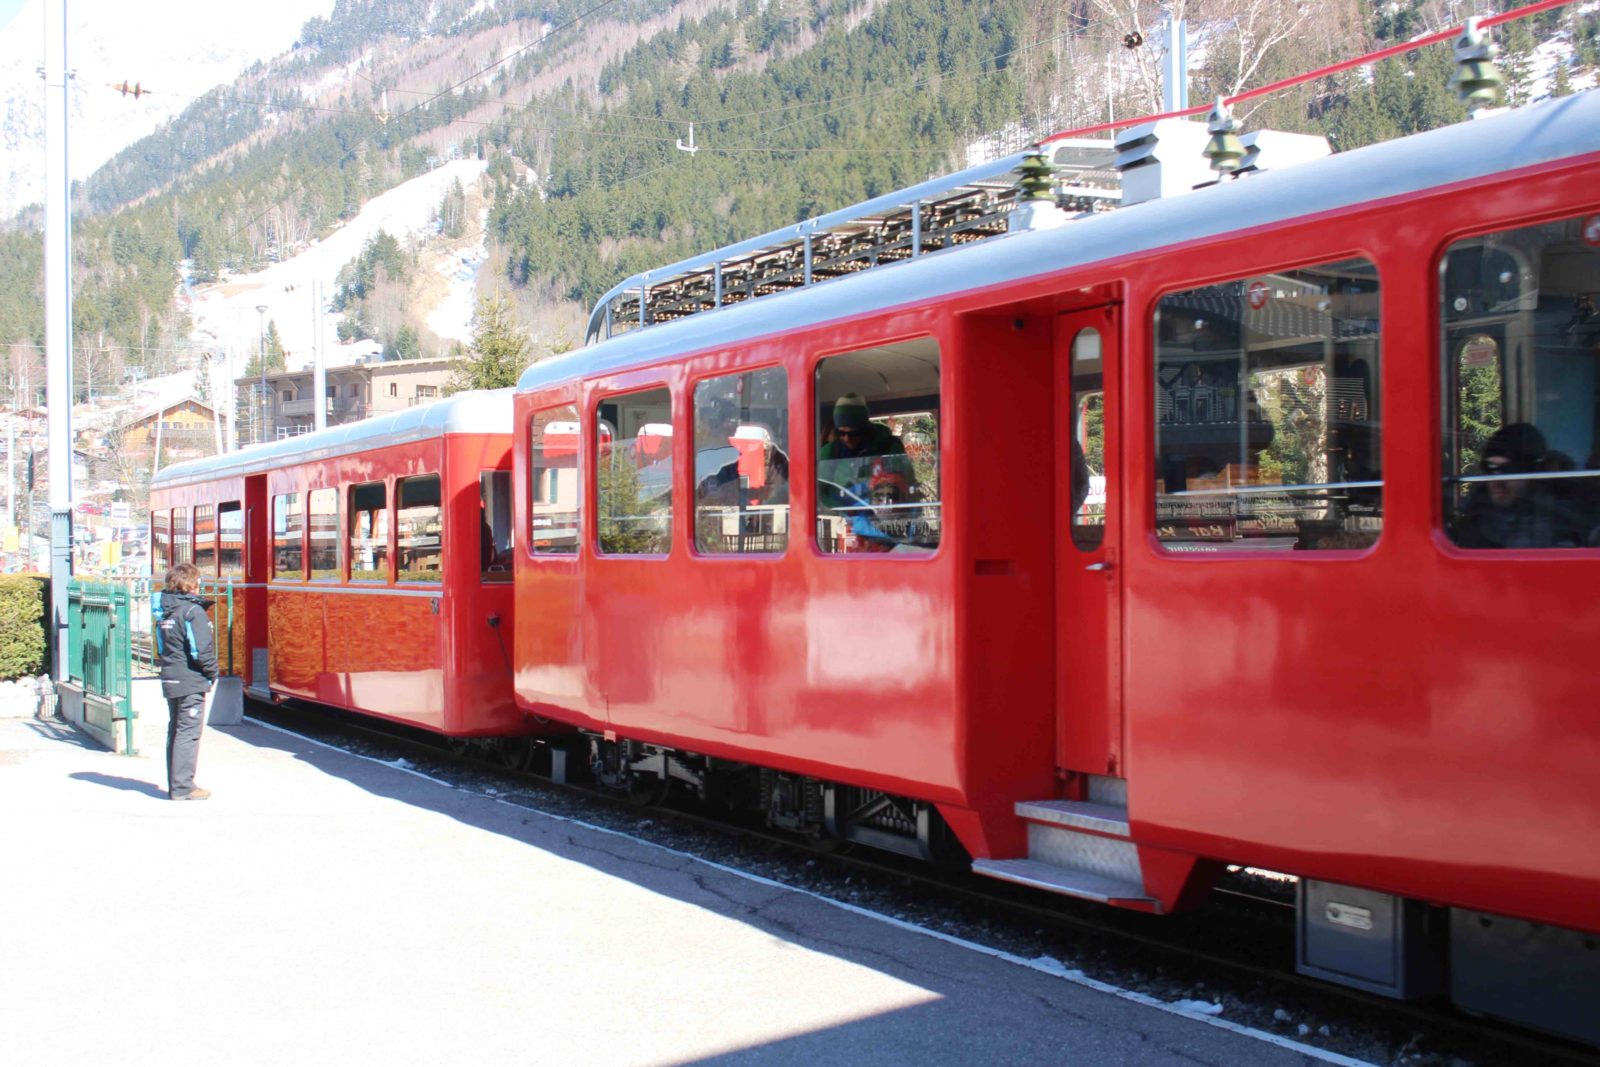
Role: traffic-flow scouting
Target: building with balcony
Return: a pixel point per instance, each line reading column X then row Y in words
column 283, row 405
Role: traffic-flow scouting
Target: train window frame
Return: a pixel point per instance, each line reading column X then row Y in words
column 539, row 424
column 322, row 494
column 209, row 513
column 1554, row 482
column 779, row 458
column 400, row 508
column 385, row 512
column 292, row 499
column 861, row 541
column 160, row 541
column 182, row 537
column 1327, row 544
column 495, row 512
column 622, row 443
column 230, row 507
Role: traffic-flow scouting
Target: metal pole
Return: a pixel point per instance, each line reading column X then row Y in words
column 58, row 324
column 1175, row 67
column 261, row 393
column 319, row 373
column 11, row 452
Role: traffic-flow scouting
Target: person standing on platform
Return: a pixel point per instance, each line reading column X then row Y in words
column 188, row 667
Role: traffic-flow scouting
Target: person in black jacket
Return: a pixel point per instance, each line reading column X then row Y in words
column 188, row 667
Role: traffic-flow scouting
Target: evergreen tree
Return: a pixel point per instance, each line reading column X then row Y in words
column 499, row 352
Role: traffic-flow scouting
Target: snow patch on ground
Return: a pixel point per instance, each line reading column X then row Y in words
column 225, row 315
column 452, row 318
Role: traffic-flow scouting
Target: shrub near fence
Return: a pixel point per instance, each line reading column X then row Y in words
column 22, row 628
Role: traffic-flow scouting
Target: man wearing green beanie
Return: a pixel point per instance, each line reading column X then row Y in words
column 854, row 434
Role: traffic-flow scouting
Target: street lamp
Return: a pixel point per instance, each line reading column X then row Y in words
column 261, row 312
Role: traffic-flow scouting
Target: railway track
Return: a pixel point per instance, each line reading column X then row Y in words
column 1236, row 950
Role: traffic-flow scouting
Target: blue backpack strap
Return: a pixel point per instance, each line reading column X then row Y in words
column 155, row 620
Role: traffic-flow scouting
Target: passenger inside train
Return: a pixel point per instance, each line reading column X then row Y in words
column 1511, row 512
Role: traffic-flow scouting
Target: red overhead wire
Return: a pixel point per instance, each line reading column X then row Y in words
column 1321, row 72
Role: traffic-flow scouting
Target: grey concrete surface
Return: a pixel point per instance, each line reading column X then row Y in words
column 321, row 908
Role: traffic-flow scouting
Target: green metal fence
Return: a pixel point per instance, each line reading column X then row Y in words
column 100, row 653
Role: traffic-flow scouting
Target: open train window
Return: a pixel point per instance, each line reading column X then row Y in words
column 182, row 549
column 741, row 463
column 878, row 460
column 553, row 492
column 322, row 522
column 369, row 532
column 419, row 530
column 205, row 540
column 230, row 539
column 633, row 479
column 494, row 525
column 1268, row 413
column 1521, row 369
column 288, row 547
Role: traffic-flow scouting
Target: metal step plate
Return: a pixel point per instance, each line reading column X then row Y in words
column 1080, row 884
column 1077, row 815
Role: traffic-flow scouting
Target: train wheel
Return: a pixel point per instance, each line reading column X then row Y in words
column 647, row 790
column 516, row 753
column 457, row 745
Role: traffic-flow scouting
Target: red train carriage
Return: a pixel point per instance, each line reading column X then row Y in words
column 371, row 562
column 1252, row 525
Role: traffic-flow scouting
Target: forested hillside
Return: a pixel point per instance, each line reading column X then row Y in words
column 799, row 107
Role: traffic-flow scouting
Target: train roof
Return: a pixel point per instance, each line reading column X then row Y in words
column 1544, row 132
column 482, row 412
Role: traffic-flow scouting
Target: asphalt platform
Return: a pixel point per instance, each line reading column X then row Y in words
column 324, row 908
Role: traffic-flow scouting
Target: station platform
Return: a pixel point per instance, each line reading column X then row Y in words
column 325, row 908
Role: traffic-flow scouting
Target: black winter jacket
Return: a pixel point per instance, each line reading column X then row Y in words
column 184, row 643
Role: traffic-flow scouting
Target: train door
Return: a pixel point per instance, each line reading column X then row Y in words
column 1089, row 736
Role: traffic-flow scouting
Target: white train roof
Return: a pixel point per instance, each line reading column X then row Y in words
column 1543, row 132
column 483, row 412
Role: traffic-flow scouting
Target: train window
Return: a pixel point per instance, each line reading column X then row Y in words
column 160, row 542
column 288, row 527
column 494, row 525
column 1521, row 369
column 634, row 480
column 741, row 463
column 369, row 532
column 1268, row 413
column 553, row 496
column 419, row 530
column 322, row 522
column 205, row 540
column 878, row 464
column 1088, row 441
column 230, row 539
column 182, row 549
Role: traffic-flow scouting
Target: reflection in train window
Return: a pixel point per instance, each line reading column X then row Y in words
column 419, row 528
column 323, row 527
column 494, row 525
column 230, row 531
column 1268, row 413
column 181, row 547
column 369, row 532
column 205, row 540
column 741, row 463
column 160, row 543
column 1521, row 368
column 878, row 461
column 288, row 563
column 633, row 457
column 553, row 494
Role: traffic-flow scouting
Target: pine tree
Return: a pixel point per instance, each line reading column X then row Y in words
column 499, row 352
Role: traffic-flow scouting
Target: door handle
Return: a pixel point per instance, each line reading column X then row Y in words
column 1098, row 567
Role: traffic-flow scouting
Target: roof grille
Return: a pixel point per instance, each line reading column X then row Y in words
column 968, row 206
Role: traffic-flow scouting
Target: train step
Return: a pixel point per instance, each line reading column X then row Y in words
column 1080, row 848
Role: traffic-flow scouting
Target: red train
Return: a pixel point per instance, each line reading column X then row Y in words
column 1255, row 525
column 371, row 562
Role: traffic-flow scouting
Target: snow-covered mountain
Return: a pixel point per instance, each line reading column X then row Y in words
column 178, row 49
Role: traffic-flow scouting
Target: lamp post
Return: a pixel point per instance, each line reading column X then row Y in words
column 261, row 425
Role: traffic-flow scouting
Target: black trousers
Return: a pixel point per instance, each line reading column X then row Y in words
column 185, row 719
